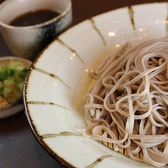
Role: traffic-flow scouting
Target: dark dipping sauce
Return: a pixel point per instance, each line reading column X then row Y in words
column 34, row 17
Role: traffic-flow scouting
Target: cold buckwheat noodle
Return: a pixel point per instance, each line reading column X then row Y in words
column 127, row 108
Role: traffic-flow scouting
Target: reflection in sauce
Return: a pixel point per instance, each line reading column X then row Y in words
column 34, row 17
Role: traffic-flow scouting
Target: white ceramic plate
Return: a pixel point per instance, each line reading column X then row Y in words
column 59, row 78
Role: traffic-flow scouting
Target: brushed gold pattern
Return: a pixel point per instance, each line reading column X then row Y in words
column 100, row 159
column 166, row 21
column 131, row 14
column 64, row 133
column 50, row 74
column 45, row 103
column 72, row 50
column 97, row 30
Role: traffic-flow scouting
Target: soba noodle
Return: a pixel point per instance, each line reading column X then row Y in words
column 127, row 108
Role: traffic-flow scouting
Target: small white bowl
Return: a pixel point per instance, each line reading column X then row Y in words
column 28, row 41
column 12, row 109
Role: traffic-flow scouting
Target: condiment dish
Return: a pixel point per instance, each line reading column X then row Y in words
column 11, row 84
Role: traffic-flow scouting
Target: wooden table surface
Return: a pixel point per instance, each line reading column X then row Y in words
column 18, row 146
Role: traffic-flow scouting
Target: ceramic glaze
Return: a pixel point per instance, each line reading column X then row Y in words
column 28, row 41
column 53, row 94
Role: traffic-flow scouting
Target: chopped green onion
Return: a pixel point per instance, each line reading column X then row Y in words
column 11, row 80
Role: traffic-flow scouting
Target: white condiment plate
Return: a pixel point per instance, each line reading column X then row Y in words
column 13, row 109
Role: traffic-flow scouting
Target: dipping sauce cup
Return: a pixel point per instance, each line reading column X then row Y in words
column 28, row 39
